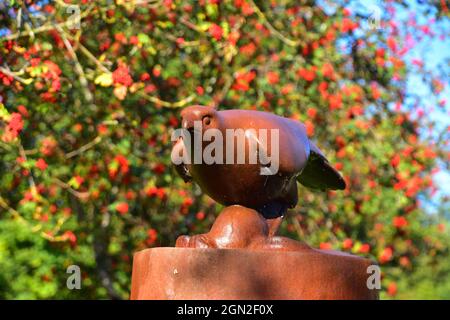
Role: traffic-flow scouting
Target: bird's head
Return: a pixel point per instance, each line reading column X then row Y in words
column 206, row 115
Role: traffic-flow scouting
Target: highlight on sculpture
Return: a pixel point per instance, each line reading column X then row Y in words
column 214, row 152
column 169, row 149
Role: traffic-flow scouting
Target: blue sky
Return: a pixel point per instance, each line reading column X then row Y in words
column 434, row 52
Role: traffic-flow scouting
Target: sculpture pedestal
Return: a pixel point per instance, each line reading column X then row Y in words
column 193, row 273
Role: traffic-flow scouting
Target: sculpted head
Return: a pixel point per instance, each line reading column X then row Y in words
column 206, row 115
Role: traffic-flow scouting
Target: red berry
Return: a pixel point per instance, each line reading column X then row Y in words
column 122, row 207
column 41, row 164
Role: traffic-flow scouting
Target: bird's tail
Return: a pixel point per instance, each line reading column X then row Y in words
column 319, row 174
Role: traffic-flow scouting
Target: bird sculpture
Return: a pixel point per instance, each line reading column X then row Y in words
column 266, row 187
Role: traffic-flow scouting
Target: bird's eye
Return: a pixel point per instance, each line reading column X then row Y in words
column 206, row 120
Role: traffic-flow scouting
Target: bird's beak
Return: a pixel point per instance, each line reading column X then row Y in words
column 187, row 124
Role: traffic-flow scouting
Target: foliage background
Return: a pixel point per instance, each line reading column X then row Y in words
column 86, row 116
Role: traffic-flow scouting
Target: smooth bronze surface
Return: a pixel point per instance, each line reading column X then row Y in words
column 243, row 184
column 182, row 273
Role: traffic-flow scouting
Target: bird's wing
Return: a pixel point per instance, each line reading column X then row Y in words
column 183, row 171
column 319, row 174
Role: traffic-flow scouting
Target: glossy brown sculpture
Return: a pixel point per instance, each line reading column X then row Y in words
column 241, row 257
column 243, row 184
column 205, row 274
column 254, row 265
column 231, row 183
